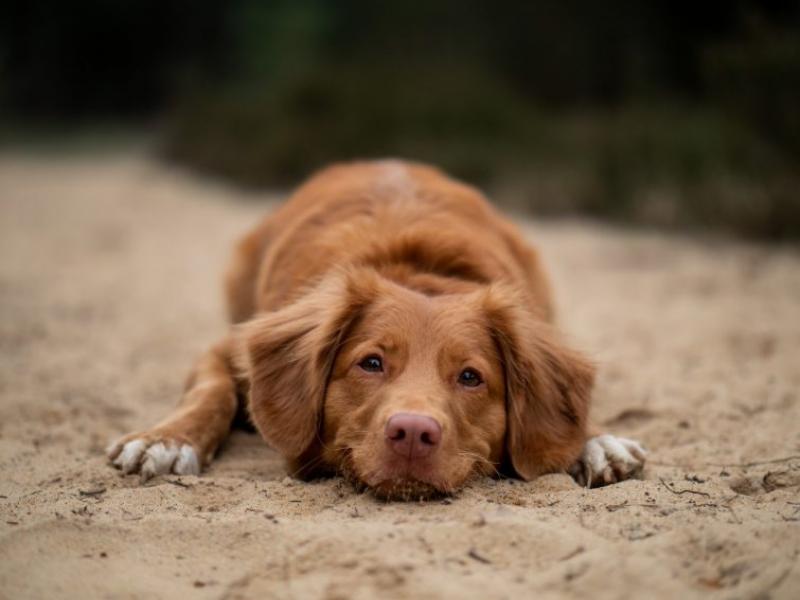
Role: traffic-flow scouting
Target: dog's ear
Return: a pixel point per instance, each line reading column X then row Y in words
column 548, row 387
column 288, row 355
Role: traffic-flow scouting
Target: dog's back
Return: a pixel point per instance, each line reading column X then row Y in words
column 412, row 222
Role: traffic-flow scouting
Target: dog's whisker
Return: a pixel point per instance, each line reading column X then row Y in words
column 480, row 460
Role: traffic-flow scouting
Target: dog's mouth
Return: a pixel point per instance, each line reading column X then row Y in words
column 394, row 485
column 406, row 489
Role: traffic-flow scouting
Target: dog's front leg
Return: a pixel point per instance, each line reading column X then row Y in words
column 186, row 440
column 607, row 459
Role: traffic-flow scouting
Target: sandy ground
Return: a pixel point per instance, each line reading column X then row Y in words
column 109, row 287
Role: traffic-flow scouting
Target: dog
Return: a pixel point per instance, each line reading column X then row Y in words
column 390, row 326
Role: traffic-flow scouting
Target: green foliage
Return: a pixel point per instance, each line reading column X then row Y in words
column 673, row 166
column 675, row 114
column 667, row 166
column 758, row 79
column 641, row 114
column 265, row 135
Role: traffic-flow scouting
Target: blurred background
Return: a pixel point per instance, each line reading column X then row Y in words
column 666, row 114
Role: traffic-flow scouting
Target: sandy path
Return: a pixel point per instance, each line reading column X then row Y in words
column 109, row 271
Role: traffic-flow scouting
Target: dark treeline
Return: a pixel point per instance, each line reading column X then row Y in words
column 662, row 112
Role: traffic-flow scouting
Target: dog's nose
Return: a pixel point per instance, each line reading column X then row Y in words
column 413, row 436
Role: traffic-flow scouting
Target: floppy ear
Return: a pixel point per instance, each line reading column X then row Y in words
column 289, row 354
column 548, row 388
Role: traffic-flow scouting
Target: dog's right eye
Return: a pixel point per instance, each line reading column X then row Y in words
column 372, row 364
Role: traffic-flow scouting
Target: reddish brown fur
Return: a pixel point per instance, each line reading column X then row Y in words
column 395, row 259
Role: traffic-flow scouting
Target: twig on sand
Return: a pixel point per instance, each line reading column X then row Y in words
column 616, row 507
column 680, row 492
column 573, row 554
column 473, row 554
column 178, row 482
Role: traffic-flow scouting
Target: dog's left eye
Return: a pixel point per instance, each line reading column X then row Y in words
column 372, row 364
column 470, row 378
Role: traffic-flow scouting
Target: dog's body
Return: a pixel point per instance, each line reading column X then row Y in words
column 392, row 326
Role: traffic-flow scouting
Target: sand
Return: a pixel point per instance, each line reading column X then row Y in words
column 109, row 287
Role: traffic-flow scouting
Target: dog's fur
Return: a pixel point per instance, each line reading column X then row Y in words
column 398, row 261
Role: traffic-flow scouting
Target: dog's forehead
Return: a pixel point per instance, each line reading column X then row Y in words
column 438, row 319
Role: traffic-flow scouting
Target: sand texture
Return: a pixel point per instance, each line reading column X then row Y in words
column 110, row 271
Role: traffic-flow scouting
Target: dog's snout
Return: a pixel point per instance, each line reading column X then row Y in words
column 413, row 436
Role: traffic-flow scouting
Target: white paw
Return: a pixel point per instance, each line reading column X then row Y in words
column 153, row 457
column 608, row 459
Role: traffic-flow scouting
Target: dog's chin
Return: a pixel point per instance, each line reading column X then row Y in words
column 390, row 486
column 388, row 478
column 405, row 489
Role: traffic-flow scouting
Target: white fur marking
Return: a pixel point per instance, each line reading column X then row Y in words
column 395, row 178
column 158, row 460
column 608, row 459
column 187, row 463
column 113, row 449
column 128, row 459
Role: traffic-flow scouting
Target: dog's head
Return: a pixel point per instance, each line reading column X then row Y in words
column 412, row 394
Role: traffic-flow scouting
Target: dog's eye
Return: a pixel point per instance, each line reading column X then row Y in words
column 470, row 378
column 372, row 364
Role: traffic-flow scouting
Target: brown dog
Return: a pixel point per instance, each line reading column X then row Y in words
column 392, row 327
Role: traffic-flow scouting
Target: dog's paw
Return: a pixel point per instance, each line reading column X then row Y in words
column 608, row 459
column 151, row 454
